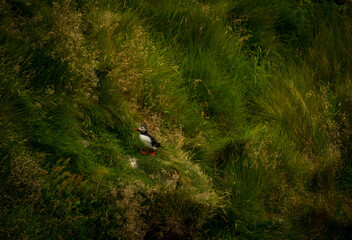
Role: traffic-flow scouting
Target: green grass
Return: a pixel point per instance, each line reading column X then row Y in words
column 250, row 100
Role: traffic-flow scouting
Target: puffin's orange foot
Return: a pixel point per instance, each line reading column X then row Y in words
column 144, row 152
column 152, row 153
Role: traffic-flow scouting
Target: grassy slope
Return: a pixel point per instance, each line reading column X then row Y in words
column 251, row 101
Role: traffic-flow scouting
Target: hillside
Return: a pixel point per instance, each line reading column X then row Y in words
column 251, row 101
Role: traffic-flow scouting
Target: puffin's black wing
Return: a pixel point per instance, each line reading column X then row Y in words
column 154, row 142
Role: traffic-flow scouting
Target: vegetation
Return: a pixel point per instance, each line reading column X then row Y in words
column 250, row 99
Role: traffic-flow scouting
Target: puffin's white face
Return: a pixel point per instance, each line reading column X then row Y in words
column 142, row 129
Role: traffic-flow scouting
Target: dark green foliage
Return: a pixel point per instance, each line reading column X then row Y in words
column 344, row 179
column 250, row 99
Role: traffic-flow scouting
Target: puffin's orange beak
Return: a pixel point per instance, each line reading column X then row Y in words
column 137, row 129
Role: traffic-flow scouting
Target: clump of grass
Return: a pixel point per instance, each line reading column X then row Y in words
column 179, row 209
column 126, row 217
column 25, row 179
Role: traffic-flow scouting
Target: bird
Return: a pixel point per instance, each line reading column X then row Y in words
column 147, row 140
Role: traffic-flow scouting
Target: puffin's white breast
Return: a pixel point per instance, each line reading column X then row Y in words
column 146, row 141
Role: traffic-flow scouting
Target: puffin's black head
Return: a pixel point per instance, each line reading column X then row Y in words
column 142, row 129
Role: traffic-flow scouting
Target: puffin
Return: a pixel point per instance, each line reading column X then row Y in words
column 147, row 140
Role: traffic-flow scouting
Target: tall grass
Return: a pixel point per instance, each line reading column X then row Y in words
column 250, row 100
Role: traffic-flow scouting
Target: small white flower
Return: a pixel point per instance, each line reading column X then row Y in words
column 133, row 161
